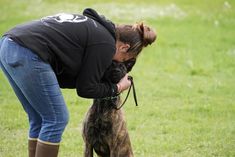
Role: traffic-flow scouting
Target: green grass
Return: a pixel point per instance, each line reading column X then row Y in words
column 185, row 82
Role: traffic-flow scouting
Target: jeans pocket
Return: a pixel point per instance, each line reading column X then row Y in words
column 12, row 55
column 14, row 61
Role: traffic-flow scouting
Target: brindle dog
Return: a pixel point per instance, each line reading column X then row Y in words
column 104, row 128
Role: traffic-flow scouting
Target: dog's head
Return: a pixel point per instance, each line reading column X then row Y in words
column 118, row 70
column 115, row 72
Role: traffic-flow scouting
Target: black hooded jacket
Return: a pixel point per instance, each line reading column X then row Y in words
column 78, row 47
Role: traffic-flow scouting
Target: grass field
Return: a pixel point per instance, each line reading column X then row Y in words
column 185, row 82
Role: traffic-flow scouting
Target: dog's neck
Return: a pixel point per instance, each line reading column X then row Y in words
column 107, row 103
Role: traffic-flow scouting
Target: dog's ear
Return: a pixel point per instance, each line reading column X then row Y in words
column 129, row 64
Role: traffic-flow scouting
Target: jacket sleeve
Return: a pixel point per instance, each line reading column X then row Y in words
column 96, row 60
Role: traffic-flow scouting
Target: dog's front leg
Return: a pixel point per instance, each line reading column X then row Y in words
column 121, row 152
column 88, row 150
column 122, row 146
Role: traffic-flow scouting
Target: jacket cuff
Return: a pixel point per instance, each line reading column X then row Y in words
column 114, row 90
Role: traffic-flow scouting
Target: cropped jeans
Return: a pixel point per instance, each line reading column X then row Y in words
column 35, row 84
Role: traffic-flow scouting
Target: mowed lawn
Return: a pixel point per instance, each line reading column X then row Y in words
column 185, row 81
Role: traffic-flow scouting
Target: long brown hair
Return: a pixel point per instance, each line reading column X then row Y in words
column 137, row 36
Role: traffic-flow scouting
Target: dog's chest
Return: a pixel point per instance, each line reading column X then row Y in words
column 103, row 119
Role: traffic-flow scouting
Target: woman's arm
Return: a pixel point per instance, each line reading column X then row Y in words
column 96, row 60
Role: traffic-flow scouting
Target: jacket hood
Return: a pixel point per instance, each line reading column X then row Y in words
column 91, row 13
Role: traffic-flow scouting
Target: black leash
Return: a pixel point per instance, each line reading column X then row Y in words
column 134, row 94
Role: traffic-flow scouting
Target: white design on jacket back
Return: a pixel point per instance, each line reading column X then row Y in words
column 65, row 17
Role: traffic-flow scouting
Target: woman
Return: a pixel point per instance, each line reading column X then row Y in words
column 65, row 51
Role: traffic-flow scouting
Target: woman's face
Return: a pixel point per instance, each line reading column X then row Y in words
column 122, row 53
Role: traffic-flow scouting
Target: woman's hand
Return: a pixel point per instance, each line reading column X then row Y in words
column 123, row 84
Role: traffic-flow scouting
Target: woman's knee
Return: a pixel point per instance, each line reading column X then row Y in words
column 60, row 121
column 52, row 130
column 64, row 119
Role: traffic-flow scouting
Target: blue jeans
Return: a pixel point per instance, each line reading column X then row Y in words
column 35, row 84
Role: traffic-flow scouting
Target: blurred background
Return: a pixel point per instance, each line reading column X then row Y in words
column 185, row 81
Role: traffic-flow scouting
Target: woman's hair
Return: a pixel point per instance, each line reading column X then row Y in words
column 137, row 36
